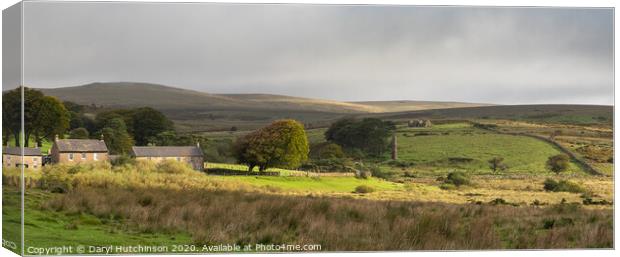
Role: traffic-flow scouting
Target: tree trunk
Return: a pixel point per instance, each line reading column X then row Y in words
column 16, row 138
column 6, row 137
column 26, row 139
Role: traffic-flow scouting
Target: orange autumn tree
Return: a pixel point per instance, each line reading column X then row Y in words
column 283, row 144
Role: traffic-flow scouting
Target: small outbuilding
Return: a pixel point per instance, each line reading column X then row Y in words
column 189, row 154
column 420, row 124
column 12, row 157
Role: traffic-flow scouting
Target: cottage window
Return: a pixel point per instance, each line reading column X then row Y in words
column 83, row 156
column 70, row 157
column 95, row 156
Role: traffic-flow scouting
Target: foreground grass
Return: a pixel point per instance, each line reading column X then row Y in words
column 212, row 217
column 44, row 228
column 169, row 203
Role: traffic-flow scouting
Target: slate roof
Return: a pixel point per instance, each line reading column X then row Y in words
column 28, row 151
column 166, row 151
column 81, row 145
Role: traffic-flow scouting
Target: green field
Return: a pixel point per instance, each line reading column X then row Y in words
column 314, row 184
column 459, row 146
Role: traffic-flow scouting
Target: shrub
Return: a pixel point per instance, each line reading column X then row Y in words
column 363, row 174
column 409, row 174
column 326, row 150
column 458, row 160
column 446, row 186
column 58, row 178
column 497, row 164
column 457, row 178
column 589, row 201
column 558, row 163
column 174, row 167
column 363, row 189
column 501, row 201
column 362, row 171
column 485, row 126
column 562, row 186
column 328, row 165
column 400, row 163
column 378, row 172
column 123, row 160
column 56, row 181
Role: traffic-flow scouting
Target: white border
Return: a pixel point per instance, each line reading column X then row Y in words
column 554, row 3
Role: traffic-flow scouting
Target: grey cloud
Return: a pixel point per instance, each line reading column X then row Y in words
column 496, row 55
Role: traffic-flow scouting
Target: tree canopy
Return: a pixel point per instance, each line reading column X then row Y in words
column 326, row 150
column 79, row 133
column 282, row 144
column 116, row 137
column 44, row 116
column 143, row 124
column 369, row 135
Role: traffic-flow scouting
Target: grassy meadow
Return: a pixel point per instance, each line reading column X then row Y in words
column 459, row 146
column 406, row 206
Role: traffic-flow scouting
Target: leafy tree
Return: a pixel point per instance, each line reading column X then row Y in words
column 497, row 164
column 79, row 133
column 326, row 150
column 11, row 115
column 282, row 144
column 44, row 116
column 147, row 123
column 73, row 107
column 102, row 118
column 116, row 137
column 143, row 124
column 75, row 120
column 48, row 118
column 369, row 135
column 558, row 163
column 171, row 138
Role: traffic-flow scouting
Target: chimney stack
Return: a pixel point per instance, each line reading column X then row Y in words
column 56, row 138
column 101, row 138
column 198, row 144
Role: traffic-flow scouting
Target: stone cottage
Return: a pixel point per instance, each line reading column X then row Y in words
column 78, row 150
column 12, row 157
column 189, row 154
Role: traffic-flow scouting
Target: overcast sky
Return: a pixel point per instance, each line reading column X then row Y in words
column 492, row 55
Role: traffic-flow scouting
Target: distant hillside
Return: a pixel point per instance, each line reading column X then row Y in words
column 406, row 105
column 127, row 94
column 554, row 113
column 200, row 111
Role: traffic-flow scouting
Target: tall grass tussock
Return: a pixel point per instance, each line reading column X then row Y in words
column 216, row 216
